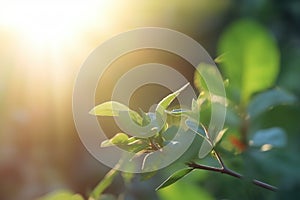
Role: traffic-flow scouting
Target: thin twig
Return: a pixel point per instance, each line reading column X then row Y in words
column 225, row 170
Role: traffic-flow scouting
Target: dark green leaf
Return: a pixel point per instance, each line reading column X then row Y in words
column 266, row 100
column 175, row 177
column 272, row 137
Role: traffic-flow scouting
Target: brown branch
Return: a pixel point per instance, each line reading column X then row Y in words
column 225, row 170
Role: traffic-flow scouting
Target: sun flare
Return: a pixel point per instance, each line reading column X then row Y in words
column 50, row 23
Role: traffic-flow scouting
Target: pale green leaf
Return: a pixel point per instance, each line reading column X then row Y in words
column 252, row 58
column 119, row 138
column 113, row 108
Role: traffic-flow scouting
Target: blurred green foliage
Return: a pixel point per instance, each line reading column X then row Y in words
column 278, row 25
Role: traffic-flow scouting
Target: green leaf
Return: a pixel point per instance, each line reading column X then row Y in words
column 119, row 138
column 165, row 102
column 252, row 58
column 175, row 177
column 266, row 100
column 273, row 137
column 62, row 195
column 113, row 108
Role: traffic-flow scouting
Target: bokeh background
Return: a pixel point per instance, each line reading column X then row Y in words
column 42, row 47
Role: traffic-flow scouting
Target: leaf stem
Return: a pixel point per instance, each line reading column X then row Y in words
column 225, row 170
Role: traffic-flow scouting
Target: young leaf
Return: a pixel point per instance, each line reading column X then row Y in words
column 252, row 58
column 165, row 102
column 119, row 138
column 269, row 99
column 175, row 177
column 113, row 108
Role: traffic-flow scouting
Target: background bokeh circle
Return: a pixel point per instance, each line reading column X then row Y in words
column 90, row 131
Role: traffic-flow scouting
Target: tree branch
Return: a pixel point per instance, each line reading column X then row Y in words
column 225, row 170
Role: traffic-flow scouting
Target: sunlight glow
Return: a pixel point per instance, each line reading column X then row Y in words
column 50, row 22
